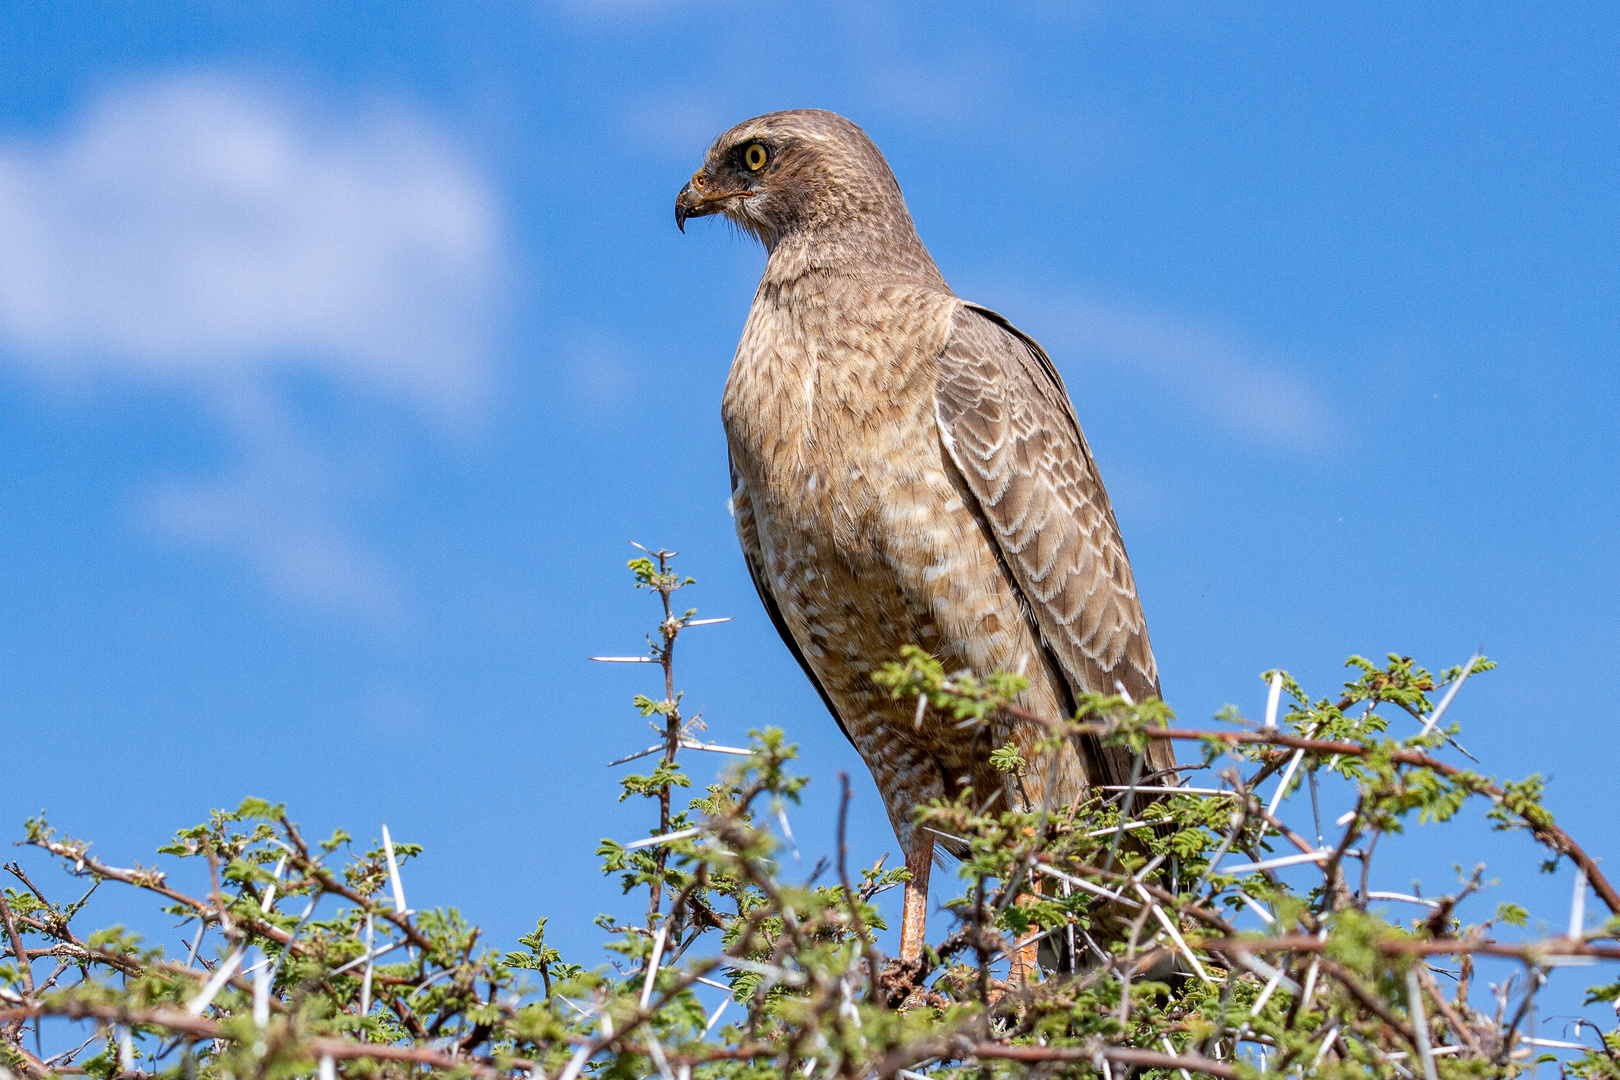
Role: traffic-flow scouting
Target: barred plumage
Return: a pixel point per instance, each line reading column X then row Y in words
column 907, row 468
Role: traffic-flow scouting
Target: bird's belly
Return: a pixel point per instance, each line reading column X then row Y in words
column 869, row 540
column 886, row 559
column 873, row 552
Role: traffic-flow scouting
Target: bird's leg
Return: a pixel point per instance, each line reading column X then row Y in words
column 1023, row 961
column 919, row 860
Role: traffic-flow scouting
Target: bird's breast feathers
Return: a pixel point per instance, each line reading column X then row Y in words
column 832, row 391
column 854, row 506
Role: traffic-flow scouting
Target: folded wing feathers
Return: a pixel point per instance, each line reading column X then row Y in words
column 1003, row 415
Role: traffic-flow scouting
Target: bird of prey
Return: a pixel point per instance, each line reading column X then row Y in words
column 907, row 468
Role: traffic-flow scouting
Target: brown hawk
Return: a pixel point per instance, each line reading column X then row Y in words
column 906, row 467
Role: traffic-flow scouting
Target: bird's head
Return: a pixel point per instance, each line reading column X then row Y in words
column 786, row 172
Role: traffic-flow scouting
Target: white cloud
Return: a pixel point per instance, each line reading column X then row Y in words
column 205, row 234
column 194, row 225
column 1210, row 370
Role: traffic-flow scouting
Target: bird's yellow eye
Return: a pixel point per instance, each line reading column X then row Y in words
column 754, row 157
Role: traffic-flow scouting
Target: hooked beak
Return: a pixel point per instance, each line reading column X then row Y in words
column 699, row 199
column 683, row 206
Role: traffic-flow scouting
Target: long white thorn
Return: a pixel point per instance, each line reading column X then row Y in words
column 1254, row 905
column 371, row 956
column 1263, row 969
column 1265, row 995
column 714, row 1017
column 1577, row 906
column 1403, row 897
column 1175, row 935
column 1172, row 791
column 787, row 831
column 393, row 873
column 1171, row 1050
column 1085, row 886
column 1273, row 699
column 1559, row 1044
column 367, row 957
column 638, row 754
column 652, row 965
column 715, row 748
column 261, row 996
column 575, row 1063
column 1445, row 702
column 270, row 890
column 1122, row 827
column 657, row 1049
column 1327, row 1044
column 1420, row 1023
column 1287, row 778
column 1272, row 864
column 222, row 975
column 667, row 838
column 196, row 943
column 1310, row 982
column 1310, row 975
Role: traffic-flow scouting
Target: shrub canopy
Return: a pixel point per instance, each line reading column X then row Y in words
column 1181, row 931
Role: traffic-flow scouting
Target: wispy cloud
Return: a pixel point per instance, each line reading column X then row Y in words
column 206, row 234
column 600, row 368
column 1208, row 369
column 282, row 506
column 195, row 225
column 943, row 91
column 679, row 122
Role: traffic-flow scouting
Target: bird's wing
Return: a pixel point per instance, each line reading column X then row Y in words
column 742, row 511
column 1009, row 426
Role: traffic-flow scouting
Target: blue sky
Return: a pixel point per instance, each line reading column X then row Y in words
column 342, row 351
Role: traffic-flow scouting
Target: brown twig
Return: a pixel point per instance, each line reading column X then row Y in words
column 1370, row 1001
column 1310, row 943
column 1544, row 830
column 198, row 1027
column 873, row 964
column 24, row 961
column 1122, row 1055
column 1459, row 1027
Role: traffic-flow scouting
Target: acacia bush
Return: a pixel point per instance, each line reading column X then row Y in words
column 304, row 959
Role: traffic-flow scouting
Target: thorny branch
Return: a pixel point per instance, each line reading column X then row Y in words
column 1147, row 966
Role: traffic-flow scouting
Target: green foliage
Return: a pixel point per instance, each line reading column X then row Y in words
column 1007, row 759
column 1134, row 910
column 1512, row 914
